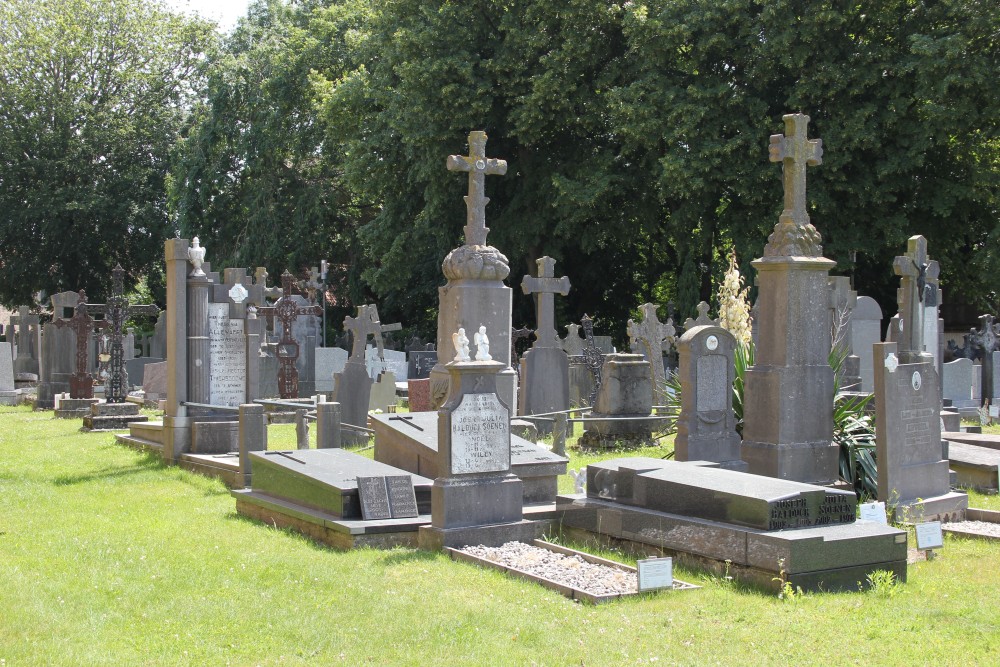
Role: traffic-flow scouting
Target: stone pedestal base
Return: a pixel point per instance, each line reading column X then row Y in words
column 475, row 500
column 112, row 416
column 10, row 397
column 800, row 462
column 618, row 431
column 70, row 408
column 545, row 385
column 435, row 539
column 723, row 449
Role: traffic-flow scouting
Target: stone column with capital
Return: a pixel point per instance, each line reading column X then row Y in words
column 176, row 423
column 788, row 393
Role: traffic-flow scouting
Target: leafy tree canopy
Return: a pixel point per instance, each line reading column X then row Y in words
column 92, row 96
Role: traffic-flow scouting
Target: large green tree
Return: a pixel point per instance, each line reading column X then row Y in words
column 253, row 177
column 92, row 95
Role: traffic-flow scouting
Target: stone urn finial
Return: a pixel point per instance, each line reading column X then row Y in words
column 196, row 255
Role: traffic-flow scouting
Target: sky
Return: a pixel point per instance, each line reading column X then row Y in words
column 224, row 12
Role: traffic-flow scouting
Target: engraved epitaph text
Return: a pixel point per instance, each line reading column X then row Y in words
column 228, row 354
column 480, row 435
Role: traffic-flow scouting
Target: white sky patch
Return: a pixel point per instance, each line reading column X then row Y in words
column 224, row 12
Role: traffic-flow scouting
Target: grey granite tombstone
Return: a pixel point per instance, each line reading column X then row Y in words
column 154, row 381
column 913, row 477
column 353, row 386
column 329, row 361
column 475, row 499
column 958, row 382
column 420, row 363
column 706, row 426
column 788, row 393
column 475, row 293
column 545, row 378
column 392, row 361
column 58, row 360
column 28, row 345
column 8, row 394
column 866, row 330
column 158, row 344
column 572, row 344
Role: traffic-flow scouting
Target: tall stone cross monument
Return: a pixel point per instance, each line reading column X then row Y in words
column 475, row 294
column 918, row 277
column 545, row 380
column 81, row 383
column 788, row 408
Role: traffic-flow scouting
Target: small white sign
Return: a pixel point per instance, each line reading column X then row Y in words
column 655, row 573
column 238, row 293
column 873, row 512
column 995, row 411
column 929, row 535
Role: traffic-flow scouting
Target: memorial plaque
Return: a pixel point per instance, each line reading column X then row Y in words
column 228, row 357
column 713, row 381
column 929, row 535
column 873, row 512
column 402, row 498
column 655, row 573
column 480, row 435
column 374, row 498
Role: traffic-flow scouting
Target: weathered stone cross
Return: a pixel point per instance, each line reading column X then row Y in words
column 367, row 324
column 546, row 285
column 918, row 274
column 479, row 167
column 81, row 383
column 795, row 152
column 287, row 311
column 650, row 335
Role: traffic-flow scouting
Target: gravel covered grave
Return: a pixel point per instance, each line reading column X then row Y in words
column 570, row 571
column 980, row 527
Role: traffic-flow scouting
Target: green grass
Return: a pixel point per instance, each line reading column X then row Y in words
column 108, row 557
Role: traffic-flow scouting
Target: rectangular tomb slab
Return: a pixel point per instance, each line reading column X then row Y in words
column 325, row 479
column 410, row 442
column 721, row 495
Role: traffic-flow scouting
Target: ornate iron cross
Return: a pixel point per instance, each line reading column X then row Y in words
column 479, row 167
column 592, row 356
column 287, row 311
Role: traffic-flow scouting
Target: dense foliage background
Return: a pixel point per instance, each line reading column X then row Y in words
column 635, row 134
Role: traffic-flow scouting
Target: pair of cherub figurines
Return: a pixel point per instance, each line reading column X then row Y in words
column 461, row 342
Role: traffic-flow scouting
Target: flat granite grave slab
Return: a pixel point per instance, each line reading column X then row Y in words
column 975, row 467
column 325, row 479
column 410, row 442
column 988, row 440
column 715, row 518
column 316, row 493
column 719, row 495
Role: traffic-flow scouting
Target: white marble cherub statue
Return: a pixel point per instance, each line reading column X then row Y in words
column 196, row 255
column 482, row 345
column 461, row 342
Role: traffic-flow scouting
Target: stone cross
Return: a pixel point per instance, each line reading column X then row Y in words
column 546, row 285
column 592, row 356
column 918, row 274
column 81, row 383
column 794, row 235
column 703, row 319
column 287, row 311
column 116, row 311
column 367, row 324
column 479, row 167
column 651, row 335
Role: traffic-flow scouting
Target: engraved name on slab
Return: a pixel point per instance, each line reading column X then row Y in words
column 480, row 435
column 228, row 354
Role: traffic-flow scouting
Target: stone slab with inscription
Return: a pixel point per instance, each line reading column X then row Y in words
column 387, row 497
column 227, row 356
column 706, row 492
column 412, row 444
column 326, row 479
column 480, row 429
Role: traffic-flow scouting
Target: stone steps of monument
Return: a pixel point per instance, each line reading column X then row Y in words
column 111, row 422
column 150, row 430
column 140, row 444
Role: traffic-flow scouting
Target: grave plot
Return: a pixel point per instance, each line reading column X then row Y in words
column 760, row 528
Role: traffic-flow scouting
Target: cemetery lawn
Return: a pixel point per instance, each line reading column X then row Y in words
column 109, row 557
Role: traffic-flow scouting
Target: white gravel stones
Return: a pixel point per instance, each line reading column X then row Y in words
column 979, row 527
column 570, row 571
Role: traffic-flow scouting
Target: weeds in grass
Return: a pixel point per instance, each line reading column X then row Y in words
column 881, row 583
column 787, row 592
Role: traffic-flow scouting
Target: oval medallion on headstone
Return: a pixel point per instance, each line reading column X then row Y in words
column 712, row 342
column 900, row 325
column 480, row 165
column 916, row 381
column 238, row 293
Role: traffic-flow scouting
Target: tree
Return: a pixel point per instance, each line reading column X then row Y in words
column 92, row 95
column 253, row 178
